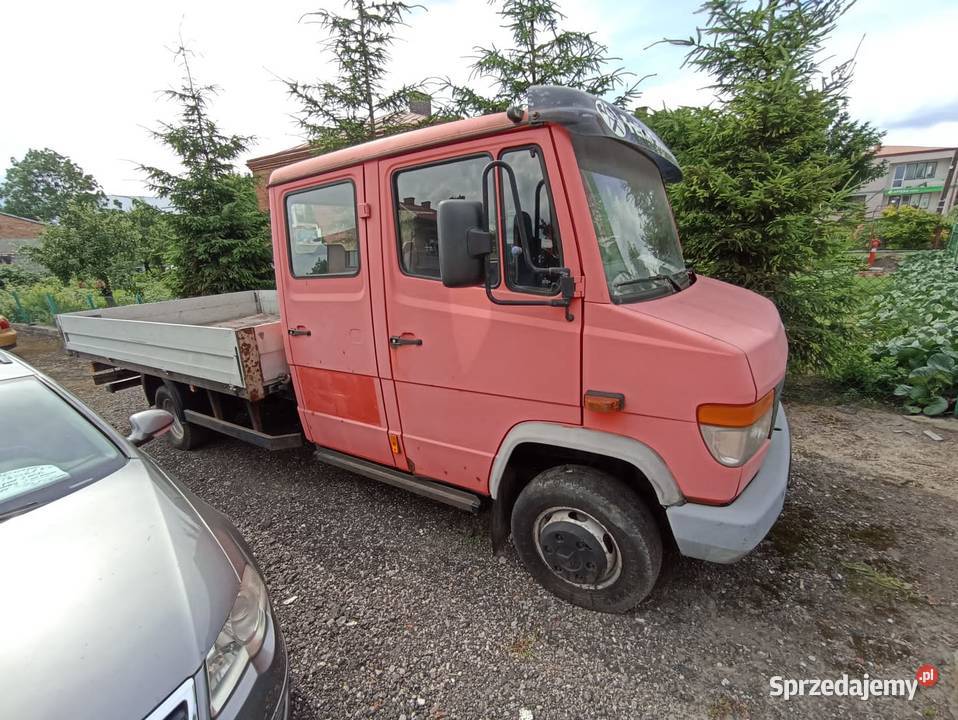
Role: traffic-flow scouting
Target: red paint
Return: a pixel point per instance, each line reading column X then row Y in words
column 341, row 394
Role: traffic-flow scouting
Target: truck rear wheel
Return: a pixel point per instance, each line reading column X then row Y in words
column 588, row 538
column 182, row 435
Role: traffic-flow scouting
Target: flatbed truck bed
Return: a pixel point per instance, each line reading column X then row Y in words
column 219, row 354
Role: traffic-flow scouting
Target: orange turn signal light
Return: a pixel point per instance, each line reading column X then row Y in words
column 394, row 443
column 603, row 402
column 735, row 416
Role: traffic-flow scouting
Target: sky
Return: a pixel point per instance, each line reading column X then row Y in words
column 85, row 78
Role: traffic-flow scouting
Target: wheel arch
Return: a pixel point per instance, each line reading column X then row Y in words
column 532, row 447
column 151, row 384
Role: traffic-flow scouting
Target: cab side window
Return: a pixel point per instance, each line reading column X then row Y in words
column 535, row 197
column 322, row 231
column 417, row 193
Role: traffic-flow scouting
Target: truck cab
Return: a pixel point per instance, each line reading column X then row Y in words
column 499, row 308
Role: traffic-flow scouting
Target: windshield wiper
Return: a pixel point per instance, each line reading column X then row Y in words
column 19, row 510
column 635, row 281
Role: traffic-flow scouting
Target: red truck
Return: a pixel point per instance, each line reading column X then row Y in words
column 494, row 311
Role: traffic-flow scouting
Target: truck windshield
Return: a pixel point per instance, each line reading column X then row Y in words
column 633, row 221
column 47, row 449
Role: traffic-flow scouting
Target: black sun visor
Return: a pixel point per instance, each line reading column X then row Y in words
column 585, row 114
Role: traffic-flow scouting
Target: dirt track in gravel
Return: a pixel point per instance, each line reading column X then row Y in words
column 394, row 607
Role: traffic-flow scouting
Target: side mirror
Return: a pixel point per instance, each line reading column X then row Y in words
column 463, row 244
column 148, row 424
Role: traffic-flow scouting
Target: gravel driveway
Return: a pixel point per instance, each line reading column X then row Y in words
column 394, row 607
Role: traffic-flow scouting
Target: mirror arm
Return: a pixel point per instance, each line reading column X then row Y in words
column 566, row 283
column 540, row 186
column 523, row 236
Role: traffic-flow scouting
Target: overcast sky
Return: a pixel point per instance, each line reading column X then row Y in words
column 84, row 78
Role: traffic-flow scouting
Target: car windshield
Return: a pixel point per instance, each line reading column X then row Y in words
column 633, row 220
column 47, row 448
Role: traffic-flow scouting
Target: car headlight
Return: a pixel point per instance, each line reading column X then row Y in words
column 239, row 640
column 734, row 433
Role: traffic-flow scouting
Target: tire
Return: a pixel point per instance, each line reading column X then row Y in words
column 182, row 435
column 569, row 508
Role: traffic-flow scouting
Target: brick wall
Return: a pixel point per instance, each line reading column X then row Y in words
column 14, row 227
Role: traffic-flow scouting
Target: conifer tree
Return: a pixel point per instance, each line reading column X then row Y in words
column 220, row 237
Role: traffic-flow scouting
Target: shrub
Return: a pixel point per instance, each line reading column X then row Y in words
column 35, row 297
column 15, row 275
column 910, row 228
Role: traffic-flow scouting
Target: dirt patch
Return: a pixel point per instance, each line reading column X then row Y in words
column 879, row 444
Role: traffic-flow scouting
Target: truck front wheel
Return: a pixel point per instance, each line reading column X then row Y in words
column 588, row 538
column 182, row 435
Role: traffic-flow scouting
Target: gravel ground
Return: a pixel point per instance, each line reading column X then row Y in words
column 394, row 607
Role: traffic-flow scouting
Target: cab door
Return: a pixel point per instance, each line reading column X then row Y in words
column 463, row 369
column 322, row 272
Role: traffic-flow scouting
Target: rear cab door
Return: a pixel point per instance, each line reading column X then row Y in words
column 321, row 252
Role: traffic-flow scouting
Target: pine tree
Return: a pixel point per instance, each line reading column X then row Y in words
column 542, row 53
column 221, row 239
column 769, row 169
column 356, row 107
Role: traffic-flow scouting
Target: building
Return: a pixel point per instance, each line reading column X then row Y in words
column 16, row 233
column 420, row 112
column 923, row 177
column 125, row 202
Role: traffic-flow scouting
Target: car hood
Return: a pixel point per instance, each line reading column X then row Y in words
column 733, row 315
column 112, row 597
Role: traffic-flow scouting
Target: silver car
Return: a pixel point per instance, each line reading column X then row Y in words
column 123, row 594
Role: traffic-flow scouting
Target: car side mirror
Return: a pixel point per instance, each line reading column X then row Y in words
column 148, row 424
column 463, row 243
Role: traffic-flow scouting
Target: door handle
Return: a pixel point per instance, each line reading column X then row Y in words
column 299, row 331
column 397, row 341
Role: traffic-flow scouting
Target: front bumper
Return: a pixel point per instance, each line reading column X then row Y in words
column 726, row 534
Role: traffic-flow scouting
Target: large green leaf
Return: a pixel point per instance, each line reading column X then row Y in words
column 937, row 406
column 940, row 361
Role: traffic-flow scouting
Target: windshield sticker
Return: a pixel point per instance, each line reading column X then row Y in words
column 23, row 480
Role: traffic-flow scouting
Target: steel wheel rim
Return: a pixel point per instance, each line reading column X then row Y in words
column 588, row 525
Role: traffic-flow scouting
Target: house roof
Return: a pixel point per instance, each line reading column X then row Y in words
column 17, row 217
column 392, row 145
column 888, row 150
column 281, row 158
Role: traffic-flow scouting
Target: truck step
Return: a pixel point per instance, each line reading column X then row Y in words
column 420, row 486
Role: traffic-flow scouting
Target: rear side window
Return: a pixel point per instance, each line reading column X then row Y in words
column 417, row 193
column 321, row 231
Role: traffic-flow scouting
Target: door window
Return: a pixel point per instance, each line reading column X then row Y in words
column 417, row 194
column 322, row 231
column 536, row 214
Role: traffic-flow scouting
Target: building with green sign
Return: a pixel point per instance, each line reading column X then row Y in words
column 923, row 177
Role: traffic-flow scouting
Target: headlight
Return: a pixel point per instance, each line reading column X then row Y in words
column 239, row 640
column 734, row 433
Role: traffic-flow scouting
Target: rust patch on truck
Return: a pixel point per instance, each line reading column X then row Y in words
column 249, row 363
